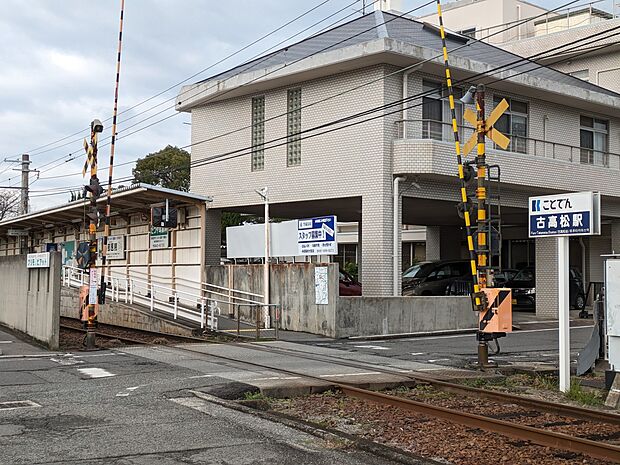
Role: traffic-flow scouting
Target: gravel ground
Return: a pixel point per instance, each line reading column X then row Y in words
column 440, row 439
column 70, row 339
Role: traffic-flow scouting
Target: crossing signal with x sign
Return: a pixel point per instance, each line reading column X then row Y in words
column 488, row 129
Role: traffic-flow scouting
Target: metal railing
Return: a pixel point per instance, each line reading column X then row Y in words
column 425, row 129
column 191, row 306
column 549, row 23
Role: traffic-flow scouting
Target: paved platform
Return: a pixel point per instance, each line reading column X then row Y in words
column 11, row 345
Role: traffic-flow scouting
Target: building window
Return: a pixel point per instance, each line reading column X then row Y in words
column 293, row 144
column 583, row 74
column 347, row 253
column 436, row 114
column 258, row 133
column 513, row 123
column 594, row 138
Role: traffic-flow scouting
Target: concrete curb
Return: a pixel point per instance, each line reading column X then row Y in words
column 412, row 335
column 380, row 450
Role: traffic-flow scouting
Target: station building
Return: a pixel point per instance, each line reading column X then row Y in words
column 172, row 257
column 397, row 166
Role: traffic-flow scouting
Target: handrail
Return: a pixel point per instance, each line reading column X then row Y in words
column 180, row 278
column 73, row 275
column 548, row 148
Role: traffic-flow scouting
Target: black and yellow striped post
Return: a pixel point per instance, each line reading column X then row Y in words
column 108, row 208
column 477, row 298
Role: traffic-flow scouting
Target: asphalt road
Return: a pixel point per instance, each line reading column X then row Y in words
column 116, row 408
column 530, row 346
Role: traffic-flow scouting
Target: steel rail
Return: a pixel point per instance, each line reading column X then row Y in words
column 522, row 432
column 538, row 436
column 446, row 386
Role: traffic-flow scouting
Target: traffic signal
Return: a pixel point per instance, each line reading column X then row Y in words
column 95, row 190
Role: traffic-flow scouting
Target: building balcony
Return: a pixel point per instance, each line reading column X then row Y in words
column 427, row 147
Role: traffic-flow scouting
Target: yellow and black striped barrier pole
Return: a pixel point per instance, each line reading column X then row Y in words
column 478, row 301
column 481, row 191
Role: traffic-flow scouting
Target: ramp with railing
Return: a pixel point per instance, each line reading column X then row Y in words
column 193, row 301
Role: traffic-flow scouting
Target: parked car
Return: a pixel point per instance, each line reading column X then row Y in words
column 504, row 276
column 347, row 285
column 434, row 277
column 523, row 287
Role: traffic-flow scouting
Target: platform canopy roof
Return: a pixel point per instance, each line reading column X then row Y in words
column 125, row 200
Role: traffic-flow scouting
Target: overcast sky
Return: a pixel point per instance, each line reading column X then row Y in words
column 59, row 62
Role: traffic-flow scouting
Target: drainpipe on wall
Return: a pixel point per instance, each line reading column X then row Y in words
column 397, row 226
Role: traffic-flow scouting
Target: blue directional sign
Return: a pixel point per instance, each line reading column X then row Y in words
column 317, row 236
column 574, row 214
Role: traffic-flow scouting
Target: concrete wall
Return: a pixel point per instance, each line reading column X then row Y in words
column 291, row 286
column 369, row 316
column 30, row 298
column 119, row 314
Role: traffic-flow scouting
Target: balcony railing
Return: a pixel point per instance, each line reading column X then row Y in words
column 443, row 132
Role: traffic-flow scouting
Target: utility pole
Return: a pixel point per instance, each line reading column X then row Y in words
column 94, row 190
column 25, row 170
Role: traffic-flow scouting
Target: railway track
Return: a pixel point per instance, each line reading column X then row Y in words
column 493, row 423
column 535, row 435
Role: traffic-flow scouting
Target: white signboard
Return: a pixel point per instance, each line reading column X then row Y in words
column 573, row 214
column 92, row 287
column 159, row 238
column 321, row 285
column 116, row 248
column 38, row 260
column 317, row 236
column 612, row 310
column 17, row 232
column 313, row 236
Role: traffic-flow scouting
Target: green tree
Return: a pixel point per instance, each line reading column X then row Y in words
column 167, row 168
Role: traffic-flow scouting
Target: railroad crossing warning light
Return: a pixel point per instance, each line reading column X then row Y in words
column 493, row 134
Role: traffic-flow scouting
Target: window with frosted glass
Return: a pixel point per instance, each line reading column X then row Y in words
column 436, row 113
column 293, row 119
column 258, row 133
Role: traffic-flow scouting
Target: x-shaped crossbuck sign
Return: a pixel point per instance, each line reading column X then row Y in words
column 493, row 134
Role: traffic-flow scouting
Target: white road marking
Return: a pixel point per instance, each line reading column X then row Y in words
column 6, row 342
column 373, row 347
column 339, row 375
column 272, row 378
column 129, row 391
column 95, row 372
column 18, row 404
column 417, row 353
column 67, row 361
column 454, row 336
column 439, row 360
column 201, row 376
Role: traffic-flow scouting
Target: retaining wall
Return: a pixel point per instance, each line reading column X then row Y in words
column 370, row 316
column 292, row 286
column 30, row 298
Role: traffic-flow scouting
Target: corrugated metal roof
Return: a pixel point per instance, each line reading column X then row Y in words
column 382, row 24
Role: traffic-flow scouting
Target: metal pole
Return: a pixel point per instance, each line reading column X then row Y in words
column 481, row 229
column 92, row 237
column 563, row 312
column 106, row 232
column 266, row 264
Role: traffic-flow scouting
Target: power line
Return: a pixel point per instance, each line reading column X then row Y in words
column 248, row 150
column 469, row 43
column 209, row 67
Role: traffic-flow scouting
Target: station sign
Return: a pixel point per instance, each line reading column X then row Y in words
column 38, row 260
column 116, row 248
column 159, row 238
column 572, row 214
column 17, row 232
column 317, row 236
